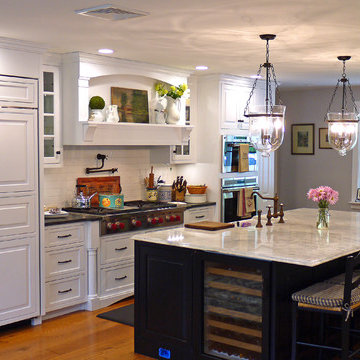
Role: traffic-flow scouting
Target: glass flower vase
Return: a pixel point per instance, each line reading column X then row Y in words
column 323, row 218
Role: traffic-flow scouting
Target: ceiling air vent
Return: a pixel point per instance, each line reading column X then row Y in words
column 110, row 12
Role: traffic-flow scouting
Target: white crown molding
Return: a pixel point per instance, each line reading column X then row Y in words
column 124, row 64
column 21, row 45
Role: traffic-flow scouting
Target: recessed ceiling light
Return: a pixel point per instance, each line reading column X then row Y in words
column 105, row 51
column 201, row 67
column 256, row 76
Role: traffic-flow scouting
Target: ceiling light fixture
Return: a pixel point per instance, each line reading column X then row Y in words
column 201, row 67
column 106, row 51
column 266, row 122
column 343, row 126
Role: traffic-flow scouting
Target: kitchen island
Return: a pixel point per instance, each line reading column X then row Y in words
column 227, row 294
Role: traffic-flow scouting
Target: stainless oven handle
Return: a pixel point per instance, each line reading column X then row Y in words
column 239, row 188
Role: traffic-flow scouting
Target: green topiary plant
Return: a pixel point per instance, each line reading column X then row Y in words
column 96, row 102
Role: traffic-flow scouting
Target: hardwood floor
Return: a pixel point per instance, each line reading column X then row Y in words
column 80, row 335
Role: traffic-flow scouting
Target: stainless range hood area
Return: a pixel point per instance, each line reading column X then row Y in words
column 86, row 75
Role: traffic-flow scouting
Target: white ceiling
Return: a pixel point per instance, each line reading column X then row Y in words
column 222, row 34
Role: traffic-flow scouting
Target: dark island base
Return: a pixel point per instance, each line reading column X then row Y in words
column 174, row 285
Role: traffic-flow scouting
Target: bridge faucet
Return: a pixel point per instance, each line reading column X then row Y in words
column 275, row 213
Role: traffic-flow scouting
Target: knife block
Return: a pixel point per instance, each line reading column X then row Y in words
column 180, row 195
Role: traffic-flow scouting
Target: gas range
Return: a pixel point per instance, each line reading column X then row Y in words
column 136, row 215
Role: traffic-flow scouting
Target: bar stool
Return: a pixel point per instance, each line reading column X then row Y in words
column 340, row 296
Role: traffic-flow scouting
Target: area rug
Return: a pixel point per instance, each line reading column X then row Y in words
column 123, row 315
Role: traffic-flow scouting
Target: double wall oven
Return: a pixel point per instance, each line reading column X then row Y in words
column 233, row 181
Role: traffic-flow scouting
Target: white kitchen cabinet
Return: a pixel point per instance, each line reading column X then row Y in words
column 18, row 92
column 19, row 271
column 18, row 134
column 19, row 204
column 116, row 270
column 196, row 214
column 65, row 266
column 51, row 115
column 233, row 102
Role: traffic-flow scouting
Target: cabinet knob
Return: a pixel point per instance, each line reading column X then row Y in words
column 58, row 152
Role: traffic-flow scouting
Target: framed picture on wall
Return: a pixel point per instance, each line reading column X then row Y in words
column 302, row 139
column 324, row 139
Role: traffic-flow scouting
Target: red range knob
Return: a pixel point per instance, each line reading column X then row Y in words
column 121, row 226
column 172, row 218
column 177, row 218
column 137, row 223
column 114, row 227
column 154, row 221
column 161, row 220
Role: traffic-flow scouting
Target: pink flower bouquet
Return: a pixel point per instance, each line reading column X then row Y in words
column 324, row 196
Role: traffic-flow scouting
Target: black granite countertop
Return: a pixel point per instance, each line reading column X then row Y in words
column 70, row 218
column 207, row 203
column 76, row 217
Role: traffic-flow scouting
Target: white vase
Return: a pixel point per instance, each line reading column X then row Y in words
column 96, row 115
column 112, row 114
column 160, row 108
column 172, row 110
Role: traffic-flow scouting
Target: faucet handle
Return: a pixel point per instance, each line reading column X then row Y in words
column 269, row 216
column 258, row 225
column 281, row 213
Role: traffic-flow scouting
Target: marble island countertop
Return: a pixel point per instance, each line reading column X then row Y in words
column 295, row 242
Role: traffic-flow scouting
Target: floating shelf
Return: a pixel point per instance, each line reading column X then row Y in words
column 102, row 133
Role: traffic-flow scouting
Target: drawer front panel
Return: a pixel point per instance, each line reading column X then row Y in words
column 17, row 215
column 18, row 92
column 198, row 214
column 64, row 261
column 65, row 292
column 113, row 280
column 64, row 235
column 115, row 249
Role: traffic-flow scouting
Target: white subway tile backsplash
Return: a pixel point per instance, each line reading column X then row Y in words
column 133, row 166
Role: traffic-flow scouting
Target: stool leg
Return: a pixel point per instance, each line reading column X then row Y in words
column 294, row 330
column 345, row 330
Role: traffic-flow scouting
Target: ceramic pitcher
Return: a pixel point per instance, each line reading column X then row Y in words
column 112, row 114
column 172, row 111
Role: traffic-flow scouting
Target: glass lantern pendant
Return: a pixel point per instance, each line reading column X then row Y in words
column 266, row 121
column 343, row 125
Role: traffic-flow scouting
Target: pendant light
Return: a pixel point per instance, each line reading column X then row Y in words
column 343, row 125
column 266, row 121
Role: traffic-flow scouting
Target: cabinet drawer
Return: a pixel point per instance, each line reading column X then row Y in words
column 199, row 214
column 17, row 215
column 18, row 92
column 64, row 261
column 64, row 235
column 116, row 279
column 115, row 248
column 65, row 292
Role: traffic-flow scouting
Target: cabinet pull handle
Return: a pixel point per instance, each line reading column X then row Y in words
column 64, row 236
column 121, row 278
column 64, row 262
column 199, row 217
column 64, row 291
column 120, row 249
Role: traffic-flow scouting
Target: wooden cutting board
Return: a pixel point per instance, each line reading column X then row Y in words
column 209, row 225
column 100, row 184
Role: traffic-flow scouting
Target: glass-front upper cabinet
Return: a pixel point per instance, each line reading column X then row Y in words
column 184, row 153
column 51, row 116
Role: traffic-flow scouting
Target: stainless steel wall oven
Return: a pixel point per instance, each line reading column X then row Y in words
column 230, row 192
column 231, row 153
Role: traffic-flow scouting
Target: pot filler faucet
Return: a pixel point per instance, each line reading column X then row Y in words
column 275, row 214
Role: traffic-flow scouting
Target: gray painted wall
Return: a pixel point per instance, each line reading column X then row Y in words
column 298, row 173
